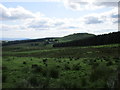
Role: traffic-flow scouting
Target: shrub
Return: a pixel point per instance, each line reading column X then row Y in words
column 34, row 65
column 26, row 69
column 69, row 82
column 67, row 67
column 37, row 68
column 109, row 63
column 95, row 65
column 46, row 64
column 53, row 72
column 101, row 72
column 118, row 76
column 70, row 58
column 22, row 84
column 84, row 81
column 4, row 68
column 33, row 80
column 4, row 77
column 44, row 60
column 24, row 62
column 76, row 67
column 57, row 66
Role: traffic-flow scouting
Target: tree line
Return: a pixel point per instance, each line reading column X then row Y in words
column 111, row 38
column 26, row 41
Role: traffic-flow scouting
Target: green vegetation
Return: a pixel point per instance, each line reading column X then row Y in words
column 75, row 36
column 77, row 67
column 111, row 38
column 81, row 52
column 47, row 42
column 39, row 65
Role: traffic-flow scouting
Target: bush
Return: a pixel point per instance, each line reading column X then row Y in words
column 76, row 67
column 54, row 72
column 4, row 77
column 101, row 72
column 109, row 63
column 37, row 68
column 24, row 62
column 84, row 82
column 4, row 68
column 33, row 80
column 68, row 82
column 67, row 67
column 22, row 84
column 44, row 60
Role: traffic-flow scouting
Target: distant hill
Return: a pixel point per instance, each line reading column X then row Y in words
column 12, row 39
column 46, row 41
column 111, row 38
column 75, row 36
column 31, row 41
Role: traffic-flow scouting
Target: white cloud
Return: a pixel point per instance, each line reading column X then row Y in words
column 89, row 4
column 93, row 20
column 33, row 25
column 106, row 4
column 16, row 13
column 105, row 17
column 5, row 27
column 39, row 24
column 30, row 0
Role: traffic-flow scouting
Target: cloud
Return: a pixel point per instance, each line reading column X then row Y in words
column 106, row 4
column 72, row 27
column 79, row 4
column 38, row 24
column 93, row 20
column 101, row 18
column 46, row 23
column 30, row 0
column 72, row 4
column 43, row 23
column 5, row 27
column 117, row 21
column 33, row 25
column 18, row 13
column 89, row 4
column 114, row 15
column 58, row 24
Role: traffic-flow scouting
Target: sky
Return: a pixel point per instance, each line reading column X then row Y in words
column 57, row 18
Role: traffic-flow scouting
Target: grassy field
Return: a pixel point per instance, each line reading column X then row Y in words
column 72, row 67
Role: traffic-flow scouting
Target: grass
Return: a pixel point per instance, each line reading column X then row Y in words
column 73, row 67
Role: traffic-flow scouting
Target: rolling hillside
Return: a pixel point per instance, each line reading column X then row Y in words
column 49, row 41
column 36, row 64
column 111, row 38
column 75, row 36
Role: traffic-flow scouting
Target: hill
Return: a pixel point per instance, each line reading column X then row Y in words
column 75, row 36
column 45, row 40
column 33, row 64
column 111, row 38
column 13, row 39
column 49, row 41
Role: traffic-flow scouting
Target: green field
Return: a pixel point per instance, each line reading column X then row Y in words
column 71, row 67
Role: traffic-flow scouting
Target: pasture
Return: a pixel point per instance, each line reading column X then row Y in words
column 73, row 67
